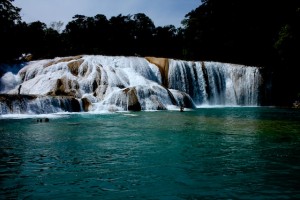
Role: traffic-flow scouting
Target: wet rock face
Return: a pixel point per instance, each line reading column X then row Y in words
column 74, row 66
column 133, row 102
column 61, row 60
column 163, row 65
column 187, row 102
column 75, row 105
column 65, row 87
column 86, row 104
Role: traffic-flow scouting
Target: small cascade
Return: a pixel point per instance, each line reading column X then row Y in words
column 188, row 77
column 29, row 104
column 106, row 83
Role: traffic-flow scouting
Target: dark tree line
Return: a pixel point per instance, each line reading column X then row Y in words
column 243, row 31
column 252, row 32
column 119, row 35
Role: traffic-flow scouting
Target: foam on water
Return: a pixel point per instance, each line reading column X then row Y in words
column 34, row 116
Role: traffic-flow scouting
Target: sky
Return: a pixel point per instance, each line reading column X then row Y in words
column 162, row 12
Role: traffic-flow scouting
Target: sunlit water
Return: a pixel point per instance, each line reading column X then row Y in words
column 209, row 153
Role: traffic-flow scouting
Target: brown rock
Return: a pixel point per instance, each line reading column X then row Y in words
column 66, row 59
column 84, row 70
column 133, row 102
column 28, row 57
column 86, row 104
column 64, row 87
column 163, row 66
column 74, row 65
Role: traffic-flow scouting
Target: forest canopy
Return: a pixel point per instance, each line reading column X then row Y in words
column 120, row 35
column 240, row 31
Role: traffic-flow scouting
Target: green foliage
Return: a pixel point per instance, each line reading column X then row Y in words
column 9, row 14
column 284, row 34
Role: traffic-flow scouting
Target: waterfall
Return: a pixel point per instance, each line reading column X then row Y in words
column 107, row 83
column 216, row 83
column 29, row 104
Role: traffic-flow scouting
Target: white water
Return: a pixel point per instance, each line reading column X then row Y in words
column 105, row 81
column 226, row 84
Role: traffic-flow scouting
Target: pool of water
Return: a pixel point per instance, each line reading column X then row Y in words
column 208, row 153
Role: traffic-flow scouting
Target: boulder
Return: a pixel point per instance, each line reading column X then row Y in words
column 74, row 65
column 86, row 104
column 133, row 102
column 65, row 87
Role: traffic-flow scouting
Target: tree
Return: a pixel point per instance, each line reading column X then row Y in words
column 54, row 45
column 74, row 34
column 143, row 33
column 57, row 26
column 121, row 35
column 251, row 32
column 9, row 14
column 234, row 30
column 36, row 39
column 287, row 46
column 88, row 35
column 165, row 40
column 100, row 34
column 9, row 18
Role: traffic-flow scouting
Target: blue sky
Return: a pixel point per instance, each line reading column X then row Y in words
column 162, row 12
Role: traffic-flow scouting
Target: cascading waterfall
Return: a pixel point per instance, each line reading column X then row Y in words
column 216, row 83
column 104, row 83
column 30, row 104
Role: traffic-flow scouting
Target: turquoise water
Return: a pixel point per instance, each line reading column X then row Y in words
column 209, row 153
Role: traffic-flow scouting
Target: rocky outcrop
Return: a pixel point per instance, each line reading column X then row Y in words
column 86, row 104
column 60, row 60
column 163, row 65
column 65, row 87
column 133, row 103
column 183, row 99
column 74, row 65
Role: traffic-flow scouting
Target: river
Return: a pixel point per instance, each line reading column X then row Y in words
column 206, row 153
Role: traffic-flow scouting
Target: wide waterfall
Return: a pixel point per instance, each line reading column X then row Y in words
column 106, row 83
column 214, row 83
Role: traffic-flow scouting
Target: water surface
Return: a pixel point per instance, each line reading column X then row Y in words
column 208, row 153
